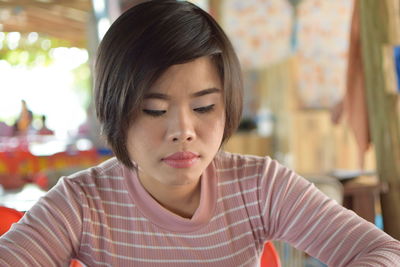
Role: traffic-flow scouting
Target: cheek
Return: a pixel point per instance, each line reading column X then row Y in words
column 140, row 136
column 215, row 128
column 222, row 121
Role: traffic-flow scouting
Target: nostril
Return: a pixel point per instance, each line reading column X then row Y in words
column 186, row 139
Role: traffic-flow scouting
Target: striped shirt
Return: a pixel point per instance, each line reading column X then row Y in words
column 104, row 217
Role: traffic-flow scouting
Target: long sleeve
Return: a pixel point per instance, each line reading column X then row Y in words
column 296, row 212
column 49, row 233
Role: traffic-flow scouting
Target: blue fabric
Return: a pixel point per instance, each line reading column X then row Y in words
column 396, row 53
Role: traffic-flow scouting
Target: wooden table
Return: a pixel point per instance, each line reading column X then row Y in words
column 362, row 196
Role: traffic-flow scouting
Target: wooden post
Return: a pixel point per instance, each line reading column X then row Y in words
column 375, row 19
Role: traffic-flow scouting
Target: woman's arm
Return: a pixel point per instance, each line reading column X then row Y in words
column 296, row 212
column 49, row 233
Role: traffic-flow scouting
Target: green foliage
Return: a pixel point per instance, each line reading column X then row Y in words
column 295, row 3
column 82, row 83
column 28, row 51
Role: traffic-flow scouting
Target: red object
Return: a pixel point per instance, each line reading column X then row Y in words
column 269, row 256
column 8, row 216
column 75, row 263
column 42, row 181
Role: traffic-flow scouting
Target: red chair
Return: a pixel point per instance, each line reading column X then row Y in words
column 8, row 217
column 269, row 256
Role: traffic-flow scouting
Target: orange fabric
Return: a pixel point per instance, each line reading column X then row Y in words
column 270, row 257
column 354, row 105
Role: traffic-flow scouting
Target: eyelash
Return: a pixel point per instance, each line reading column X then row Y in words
column 205, row 109
column 158, row 113
column 154, row 113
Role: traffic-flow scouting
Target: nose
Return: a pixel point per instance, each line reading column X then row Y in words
column 180, row 128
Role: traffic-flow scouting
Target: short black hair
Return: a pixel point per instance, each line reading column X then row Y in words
column 138, row 48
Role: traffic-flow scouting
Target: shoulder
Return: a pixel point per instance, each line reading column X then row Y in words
column 232, row 162
column 230, row 165
column 232, row 168
column 109, row 170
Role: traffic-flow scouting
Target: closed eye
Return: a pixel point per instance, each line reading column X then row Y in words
column 154, row 113
column 204, row 109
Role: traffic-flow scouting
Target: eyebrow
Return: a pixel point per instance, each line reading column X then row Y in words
column 196, row 94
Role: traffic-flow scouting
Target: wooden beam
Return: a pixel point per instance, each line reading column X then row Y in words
column 383, row 113
column 77, row 4
column 56, row 20
column 50, row 19
column 77, row 36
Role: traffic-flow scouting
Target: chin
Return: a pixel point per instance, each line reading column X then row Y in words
column 181, row 179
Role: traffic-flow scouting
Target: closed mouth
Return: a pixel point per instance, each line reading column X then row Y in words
column 183, row 159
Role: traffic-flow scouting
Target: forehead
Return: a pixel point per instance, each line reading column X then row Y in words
column 192, row 76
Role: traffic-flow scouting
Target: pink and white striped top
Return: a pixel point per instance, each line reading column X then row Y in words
column 104, row 217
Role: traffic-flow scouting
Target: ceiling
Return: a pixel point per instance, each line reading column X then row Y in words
column 62, row 19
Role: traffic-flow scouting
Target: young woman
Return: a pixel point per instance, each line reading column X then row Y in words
column 168, row 94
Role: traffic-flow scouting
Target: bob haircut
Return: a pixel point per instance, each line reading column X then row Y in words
column 139, row 47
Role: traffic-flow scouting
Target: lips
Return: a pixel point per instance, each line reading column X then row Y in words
column 183, row 159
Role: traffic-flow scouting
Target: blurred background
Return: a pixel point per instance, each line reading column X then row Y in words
column 321, row 95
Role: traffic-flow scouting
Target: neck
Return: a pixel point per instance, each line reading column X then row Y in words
column 182, row 200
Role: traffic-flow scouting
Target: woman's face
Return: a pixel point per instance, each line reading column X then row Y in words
column 181, row 124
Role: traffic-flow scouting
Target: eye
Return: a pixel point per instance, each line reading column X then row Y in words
column 204, row 109
column 154, row 113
